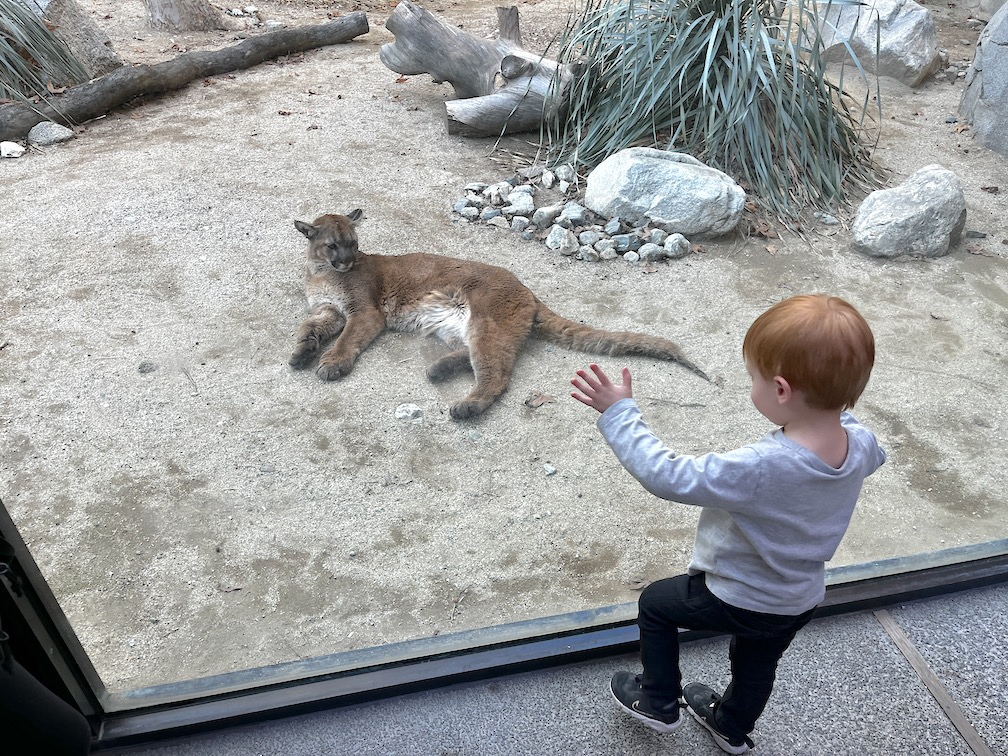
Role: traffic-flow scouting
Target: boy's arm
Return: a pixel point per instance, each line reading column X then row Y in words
column 726, row 481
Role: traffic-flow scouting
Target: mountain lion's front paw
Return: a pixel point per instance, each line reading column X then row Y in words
column 332, row 371
column 300, row 358
column 304, row 350
column 465, row 409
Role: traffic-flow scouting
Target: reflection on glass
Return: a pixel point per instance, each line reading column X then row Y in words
column 199, row 508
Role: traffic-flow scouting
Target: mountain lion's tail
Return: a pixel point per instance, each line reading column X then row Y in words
column 550, row 326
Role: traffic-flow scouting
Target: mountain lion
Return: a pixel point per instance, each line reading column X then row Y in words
column 483, row 311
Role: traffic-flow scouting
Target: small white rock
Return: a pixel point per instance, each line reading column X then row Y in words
column 562, row 240
column 519, row 223
column 11, row 150
column 651, row 252
column 677, row 246
column 497, row 194
column 521, row 204
column 564, row 173
column 409, row 412
column 48, row 133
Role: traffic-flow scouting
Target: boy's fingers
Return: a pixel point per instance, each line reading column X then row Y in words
column 627, row 379
column 589, row 380
column 586, row 391
column 602, row 377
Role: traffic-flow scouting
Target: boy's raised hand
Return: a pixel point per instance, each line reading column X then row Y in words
column 597, row 391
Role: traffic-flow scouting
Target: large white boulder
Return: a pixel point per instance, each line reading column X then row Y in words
column 76, row 28
column 984, row 9
column 670, row 190
column 923, row 216
column 985, row 100
column 903, row 30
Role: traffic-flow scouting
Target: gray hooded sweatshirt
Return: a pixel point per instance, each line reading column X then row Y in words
column 772, row 512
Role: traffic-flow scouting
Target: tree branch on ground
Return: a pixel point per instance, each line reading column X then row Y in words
column 95, row 98
column 501, row 87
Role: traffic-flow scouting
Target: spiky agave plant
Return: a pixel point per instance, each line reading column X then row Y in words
column 31, row 57
column 739, row 84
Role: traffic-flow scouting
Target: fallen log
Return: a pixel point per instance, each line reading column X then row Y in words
column 501, row 87
column 95, row 98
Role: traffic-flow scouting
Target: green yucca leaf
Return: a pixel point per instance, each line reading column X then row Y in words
column 31, row 57
column 737, row 83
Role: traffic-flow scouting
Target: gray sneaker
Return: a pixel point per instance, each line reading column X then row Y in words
column 702, row 702
column 630, row 697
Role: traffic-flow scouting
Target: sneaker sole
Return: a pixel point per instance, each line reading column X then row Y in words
column 654, row 724
column 723, row 744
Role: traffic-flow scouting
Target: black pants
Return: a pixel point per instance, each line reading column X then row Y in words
column 758, row 642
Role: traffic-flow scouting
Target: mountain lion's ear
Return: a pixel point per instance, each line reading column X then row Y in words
column 306, row 228
column 356, row 216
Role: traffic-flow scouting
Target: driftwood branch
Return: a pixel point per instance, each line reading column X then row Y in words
column 501, row 87
column 98, row 96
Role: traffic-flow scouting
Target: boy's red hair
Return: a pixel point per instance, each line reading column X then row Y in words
column 819, row 344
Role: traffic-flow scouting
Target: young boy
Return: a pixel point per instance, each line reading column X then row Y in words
column 772, row 512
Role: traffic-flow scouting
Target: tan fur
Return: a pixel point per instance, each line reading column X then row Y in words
column 482, row 311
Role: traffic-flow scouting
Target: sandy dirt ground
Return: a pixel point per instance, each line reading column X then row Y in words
column 200, row 508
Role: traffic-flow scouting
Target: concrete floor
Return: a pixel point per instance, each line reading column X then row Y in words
column 843, row 688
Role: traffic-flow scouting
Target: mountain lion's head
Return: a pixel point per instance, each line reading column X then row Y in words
column 333, row 239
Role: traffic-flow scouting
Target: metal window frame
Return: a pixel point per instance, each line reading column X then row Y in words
column 155, row 714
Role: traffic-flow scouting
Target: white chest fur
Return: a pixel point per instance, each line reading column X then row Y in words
column 337, row 299
column 436, row 314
